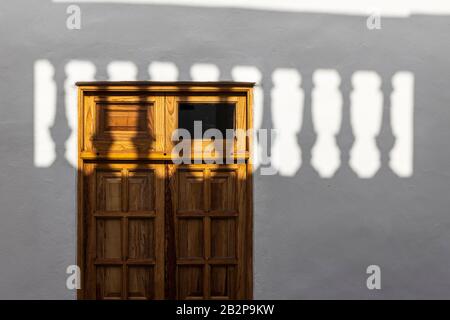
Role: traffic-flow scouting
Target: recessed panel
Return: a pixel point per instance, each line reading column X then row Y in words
column 223, row 191
column 109, row 191
column 191, row 196
column 126, row 119
column 223, row 238
column 109, row 282
column 190, row 282
column 140, row 282
column 190, row 238
column 141, row 191
column 133, row 120
column 124, row 125
column 109, row 238
column 141, row 238
column 223, row 280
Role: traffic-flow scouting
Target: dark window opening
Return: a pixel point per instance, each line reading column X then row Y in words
column 212, row 115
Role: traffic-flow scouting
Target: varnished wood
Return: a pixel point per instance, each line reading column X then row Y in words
column 199, row 147
column 150, row 229
column 125, row 229
column 123, row 125
column 170, row 229
column 139, row 156
column 211, row 244
column 249, row 199
column 166, row 86
column 81, row 201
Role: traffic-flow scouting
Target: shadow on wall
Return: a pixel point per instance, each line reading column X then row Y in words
column 356, row 163
column 287, row 112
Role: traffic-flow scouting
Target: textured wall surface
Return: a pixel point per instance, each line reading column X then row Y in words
column 314, row 237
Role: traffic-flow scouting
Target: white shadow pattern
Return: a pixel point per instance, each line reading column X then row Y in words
column 286, row 108
column 327, row 117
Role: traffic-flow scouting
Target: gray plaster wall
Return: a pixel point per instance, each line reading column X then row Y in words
column 314, row 237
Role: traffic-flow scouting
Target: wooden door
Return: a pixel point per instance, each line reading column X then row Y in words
column 149, row 227
column 131, row 235
column 125, row 224
column 208, row 220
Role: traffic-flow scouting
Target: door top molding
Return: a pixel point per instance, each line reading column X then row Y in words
column 163, row 85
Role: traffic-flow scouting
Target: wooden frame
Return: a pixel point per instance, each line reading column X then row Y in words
column 239, row 121
column 164, row 93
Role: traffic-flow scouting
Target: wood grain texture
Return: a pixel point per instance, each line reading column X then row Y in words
column 124, row 124
column 249, row 199
column 126, row 214
column 209, row 214
column 150, row 229
column 206, row 148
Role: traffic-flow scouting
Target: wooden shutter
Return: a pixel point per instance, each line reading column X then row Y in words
column 209, row 229
column 125, row 244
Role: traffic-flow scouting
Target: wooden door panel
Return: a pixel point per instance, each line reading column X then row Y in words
column 123, row 125
column 191, row 191
column 141, row 238
column 141, row 283
column 140, row 193
column 209, row 221
column 125, row 244
column 127, row 231
column 109, row 282
column 223, row 237
column 190, row 238
column 190, row 285
column 223, row 282
column 109, row 238
column 109, row 191
column 223, row 190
